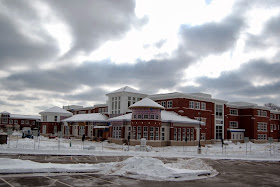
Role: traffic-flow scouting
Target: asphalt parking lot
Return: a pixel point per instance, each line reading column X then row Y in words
column 231, row 173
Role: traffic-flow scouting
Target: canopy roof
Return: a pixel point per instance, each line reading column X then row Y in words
column 146, row 103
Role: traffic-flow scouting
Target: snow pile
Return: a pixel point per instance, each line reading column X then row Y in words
column 193, row 164
column 144, row 168
column 154, row 169
column 8, row 165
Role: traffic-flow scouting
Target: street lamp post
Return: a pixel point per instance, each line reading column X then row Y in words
column 199, row 146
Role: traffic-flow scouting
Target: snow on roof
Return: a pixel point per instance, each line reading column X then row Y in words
column 241, row 103
column 56, row 110
column 146, row 102
column 125, row 117
column 167, row 116
column 5, row 112
column 19, row 116
column 93, row 117
column 126, row 89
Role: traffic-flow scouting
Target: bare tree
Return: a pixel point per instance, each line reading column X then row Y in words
column 272, row 106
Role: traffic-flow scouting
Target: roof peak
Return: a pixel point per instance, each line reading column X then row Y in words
column 147, row 103
column 126, row 89
column 56, row 109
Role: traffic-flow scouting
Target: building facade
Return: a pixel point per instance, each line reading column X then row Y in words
column 18, row 121
column 51, row 120
column 149, row 120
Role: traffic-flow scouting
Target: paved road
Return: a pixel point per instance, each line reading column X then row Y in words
column 232, row 173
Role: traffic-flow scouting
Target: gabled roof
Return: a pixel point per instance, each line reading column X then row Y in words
column 146, row 102
column 56, row 110
column 125, row 117
column 126, row 89
column 92, row 117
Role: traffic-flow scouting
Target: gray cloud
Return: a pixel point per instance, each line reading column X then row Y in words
column 93, row 22
column 163, row 73
column 237, row 85
column 5, row 103
column 93, row 95
column 15, row 47
column 211, row 37
column 21, row 97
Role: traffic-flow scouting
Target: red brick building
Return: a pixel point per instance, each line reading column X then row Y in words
column 51, row 120
column 18, row 121
column 149, row 120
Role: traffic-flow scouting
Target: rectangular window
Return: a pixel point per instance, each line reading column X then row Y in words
column 146, row 116
column 188, row 134
column 27, row 122
column 233, row 112
column 44, row 118
column 271, row 127
column 163, row 103
column 135, row 116
column 192, row 134
column 139, row 133
column 179, row 134
column 55, row 118
column 151, row 133
column 262, row 127
column 259, row 113
column 157, row 133
column 139, row 116
column 262, row 137
column 162, row 133
column 219, row 111
column 128, row 103
column 145, row 132
column 233, row 124
column 197, row 105
column 152, row 116
column 175, row 134
column 16, row 121
column 22, row 122
column 117, row 131
column 169, row 104
column 134, row 132
column 203, row 106
column 219, row 132
column 184, row 134
column 263, row 113
column 191, row 104
column 274, row 126
column 81, row 130
column 11, row 121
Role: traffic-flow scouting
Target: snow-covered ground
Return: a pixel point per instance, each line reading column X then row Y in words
column 141, row 164
column 43, row 145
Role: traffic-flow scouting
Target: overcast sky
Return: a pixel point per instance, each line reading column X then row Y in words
column 55, row 53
